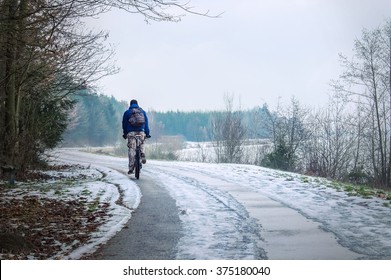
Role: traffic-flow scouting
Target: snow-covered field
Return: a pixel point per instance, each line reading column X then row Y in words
column 206, row 152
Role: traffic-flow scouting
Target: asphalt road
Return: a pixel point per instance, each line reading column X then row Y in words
column 153, row 231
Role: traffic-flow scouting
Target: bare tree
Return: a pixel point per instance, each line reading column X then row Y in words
column 331, row 150
column 46, row 56
column 366, row 81
column 228, row 133
column 289, row 131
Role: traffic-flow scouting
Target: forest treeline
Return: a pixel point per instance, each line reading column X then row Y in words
column 196, row 125
column 96, row 120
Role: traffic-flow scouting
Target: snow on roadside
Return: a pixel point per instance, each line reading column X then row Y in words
column 124, row 196
column 360, row 223
column 91, row 185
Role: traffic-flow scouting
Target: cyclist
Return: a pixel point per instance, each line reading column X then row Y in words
column 135, row 122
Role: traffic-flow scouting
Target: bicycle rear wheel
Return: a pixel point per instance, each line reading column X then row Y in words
column 137, row 165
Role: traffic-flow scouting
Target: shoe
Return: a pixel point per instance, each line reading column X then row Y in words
column 143, row 159
column 130, row 171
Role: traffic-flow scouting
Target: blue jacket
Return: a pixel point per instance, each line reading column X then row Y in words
column 126, row 127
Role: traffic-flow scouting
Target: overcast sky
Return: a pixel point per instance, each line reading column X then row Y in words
column 258, row 50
